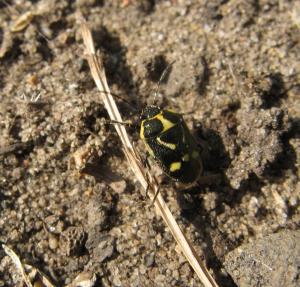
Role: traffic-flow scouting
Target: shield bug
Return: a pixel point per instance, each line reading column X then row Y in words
column 170, row 143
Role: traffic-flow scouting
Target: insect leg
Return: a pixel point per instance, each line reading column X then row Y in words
column 155, row 195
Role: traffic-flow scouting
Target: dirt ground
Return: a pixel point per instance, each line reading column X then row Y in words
column 236, row 80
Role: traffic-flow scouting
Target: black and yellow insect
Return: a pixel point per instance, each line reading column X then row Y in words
column 171, row 144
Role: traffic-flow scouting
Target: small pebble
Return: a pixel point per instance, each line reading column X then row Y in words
column 53, row 243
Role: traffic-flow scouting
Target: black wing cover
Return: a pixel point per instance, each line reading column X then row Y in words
column 186, row 152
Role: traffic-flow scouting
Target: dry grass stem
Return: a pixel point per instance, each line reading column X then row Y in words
column 16, row 260
column 142, row 174
column 31, row 276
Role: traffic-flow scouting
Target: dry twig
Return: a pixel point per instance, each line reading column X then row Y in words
column 31, row 276
column 142, row 174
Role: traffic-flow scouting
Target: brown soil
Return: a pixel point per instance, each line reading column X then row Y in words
column 236, row 78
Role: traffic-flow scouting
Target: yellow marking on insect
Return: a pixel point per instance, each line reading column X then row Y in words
column 168, row 145
column 166, row 123
column 142, row 136
column 186, row 157
column 195, row 154
column 175, row 166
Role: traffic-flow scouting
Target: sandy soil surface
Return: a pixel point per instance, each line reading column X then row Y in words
column 235, row 79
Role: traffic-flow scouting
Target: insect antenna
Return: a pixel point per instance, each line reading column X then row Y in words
column 123, row 99
column 125, row 123
column 163, row 75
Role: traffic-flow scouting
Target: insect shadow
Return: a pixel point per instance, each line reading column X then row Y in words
column 215, row 161
column 190, row 201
